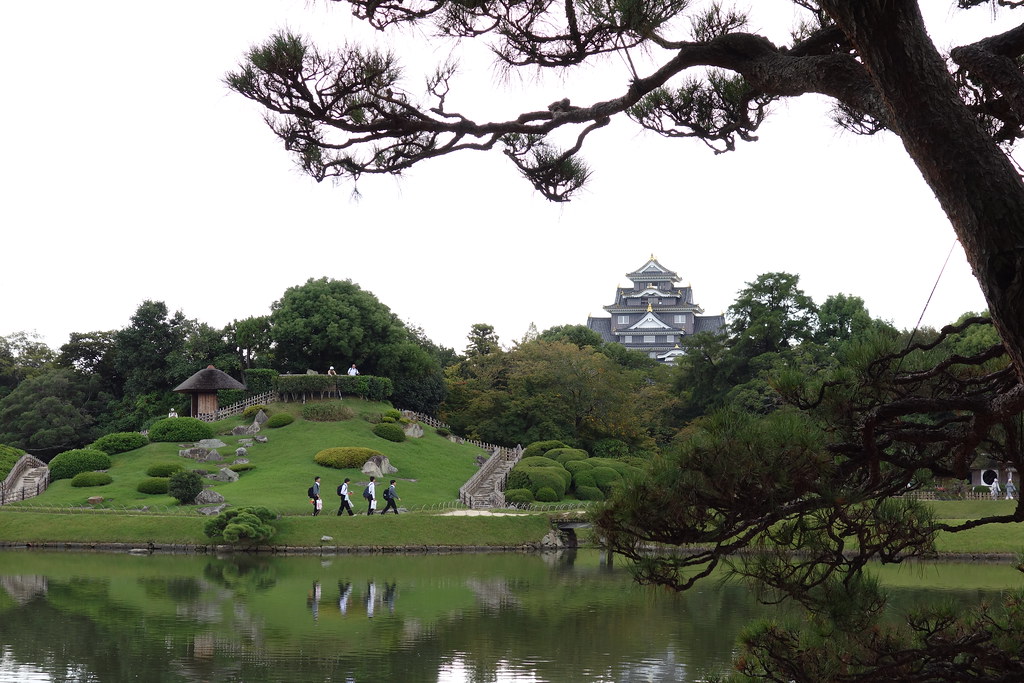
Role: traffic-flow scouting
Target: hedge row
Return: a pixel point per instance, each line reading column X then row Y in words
column 364, row 386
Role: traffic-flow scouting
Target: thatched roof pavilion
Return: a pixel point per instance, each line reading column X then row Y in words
column 203, row 386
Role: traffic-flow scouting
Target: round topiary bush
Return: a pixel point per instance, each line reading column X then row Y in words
column 577, row 466
column 250, row 412
column 83, row 479
column 153, row 485
column 242, row 525
column 564, row 455
column 242, row 467
column 517, row 479
column 441, row 431
column 391, row 432
column 546, row 478
column 393, row 413
column 279, row 420
column 518, row 496
column 546, row 494
column 185, row 486
column 542, row 447
column 164, row 469
column 387, row 419
column 172, row 429
column 346, row 457
column 537, row 461
column 584, row 479
column 589, row 493
column 119, row 442
column 606, row 478
column 69, row 463
column 327, row 411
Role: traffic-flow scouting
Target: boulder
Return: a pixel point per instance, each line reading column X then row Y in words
column 261, row 417
column 196, row 453
column 245, row 443
column 243, row 430
column 209, row 497
column 224, row 474
column 261, row 439
column 214, row 510
column 241, row 452
column 95, row 500
column 413, row 430
column 211, row 443
column 212, row 456
column 378, row 466
column 241, row 461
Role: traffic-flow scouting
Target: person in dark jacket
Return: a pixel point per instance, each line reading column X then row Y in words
column 391, row 497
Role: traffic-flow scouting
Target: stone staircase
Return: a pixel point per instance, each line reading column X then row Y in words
column 485, row 489
column 29, row 477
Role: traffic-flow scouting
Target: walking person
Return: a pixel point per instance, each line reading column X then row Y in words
column 314, row 496
column 346, row 502
column 994, row 488
column 1011, row 489
column 390, row 496
column 370, row 494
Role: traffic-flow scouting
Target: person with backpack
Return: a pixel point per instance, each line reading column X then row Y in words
column 370, row 494
column 390, row 497
column 346, row 502
column 314, row 496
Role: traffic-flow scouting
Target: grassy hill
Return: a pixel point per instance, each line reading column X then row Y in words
column 430, row 471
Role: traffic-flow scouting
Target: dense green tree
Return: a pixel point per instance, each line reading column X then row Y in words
column 22, row 354
column 252, row 340
column 771, row 314
column 482, row 340
column 147, row 353
column 52, row 411
column 92, row 353
column 580, row 335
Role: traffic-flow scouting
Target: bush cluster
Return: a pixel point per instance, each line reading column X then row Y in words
column 69, row 463
column 327, row 411
column 83, row 479
column 259, row 380
column 388, row 419
column 164, row 469
column 119, row 442
column 441, row 431
column 565, row 455
column 542, row 447
column 242, row 467
column 518, row 496
column 242, row 525
column 179, row 429
column 391, row 432
column 345, row 457
column 394, row 414
column 279, row 420
column 153, row 485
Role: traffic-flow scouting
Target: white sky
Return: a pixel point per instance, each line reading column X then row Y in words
column 129, row 172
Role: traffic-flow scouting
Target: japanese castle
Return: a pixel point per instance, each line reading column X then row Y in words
column 654, row 314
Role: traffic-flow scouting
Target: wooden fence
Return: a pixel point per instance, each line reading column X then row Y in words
column 238, row 408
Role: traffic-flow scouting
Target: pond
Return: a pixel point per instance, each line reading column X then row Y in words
column 455, row 618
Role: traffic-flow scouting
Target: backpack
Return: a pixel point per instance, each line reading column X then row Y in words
column 309, row 493
column 387, row 493
column 366, row 493
column 339, row 489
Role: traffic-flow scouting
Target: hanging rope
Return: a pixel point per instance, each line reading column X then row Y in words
column 942, row 270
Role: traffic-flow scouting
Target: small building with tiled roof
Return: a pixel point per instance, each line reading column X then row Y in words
column 654, row 314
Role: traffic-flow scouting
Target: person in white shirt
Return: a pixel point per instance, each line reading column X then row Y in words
column 352, row 370
column 346, row 502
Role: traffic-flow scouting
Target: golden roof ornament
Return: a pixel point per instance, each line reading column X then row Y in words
column 649, row 309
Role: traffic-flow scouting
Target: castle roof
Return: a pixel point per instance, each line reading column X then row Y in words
column 653, row 271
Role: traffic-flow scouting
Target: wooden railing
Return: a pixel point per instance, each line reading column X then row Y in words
column 238, row 408
column 10, row 493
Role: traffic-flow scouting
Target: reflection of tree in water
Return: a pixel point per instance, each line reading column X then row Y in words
column 242, row 574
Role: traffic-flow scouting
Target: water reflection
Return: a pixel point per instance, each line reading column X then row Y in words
column 456, row 618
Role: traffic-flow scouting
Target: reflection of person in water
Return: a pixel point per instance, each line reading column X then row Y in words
column 313, row 600
column 345, row 591
column 371, row 597
column 389, row 597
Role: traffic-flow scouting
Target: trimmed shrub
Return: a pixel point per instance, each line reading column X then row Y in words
column 119, row 442
column 441, row 431
column 279, row 420
column 83, row 479
column 394, row 414
column 250, row 412
column 228, row 397
column 185, row 486
column 379, row 388
column 589, row 493
column 542, row 447
column 241, row 467
column 517, row 479
column 547, row 495
column 584, row 479
column 606, row 478
column 537, row 461
column 154, row 485
column 372, row 418
column 327, row 411
column 242, row 525
column 69, row 463
column 259, row 380
column 388, row 419
column 518, row 496
column 345, row 457
column 564, row 455
column 546, row 477
column 576, row 466
column 391, row 432
column 164, row 469
column 176, row 429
